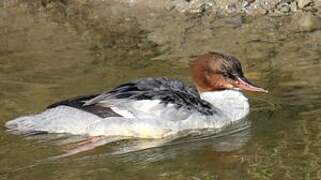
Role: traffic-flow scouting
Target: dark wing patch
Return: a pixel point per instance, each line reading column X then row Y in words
column 78, row 102
column 164, row 89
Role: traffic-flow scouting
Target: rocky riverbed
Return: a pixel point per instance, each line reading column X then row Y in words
column 221, row 7
column 250, row 7
column 173, row 28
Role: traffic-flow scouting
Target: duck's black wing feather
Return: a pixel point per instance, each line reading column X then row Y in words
column 78, row 102
column 167, row 90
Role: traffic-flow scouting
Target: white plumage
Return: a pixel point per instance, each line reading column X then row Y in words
column 142, row 118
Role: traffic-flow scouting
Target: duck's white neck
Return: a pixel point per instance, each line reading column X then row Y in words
column 231, row 102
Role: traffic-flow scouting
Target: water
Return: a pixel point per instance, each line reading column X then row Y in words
column 53, row 51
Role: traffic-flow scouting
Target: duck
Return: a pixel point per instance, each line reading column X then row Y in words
column 153, row 107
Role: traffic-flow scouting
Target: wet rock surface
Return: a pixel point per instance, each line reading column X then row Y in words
column 305, row 22
column 174, row 29
column 227, row 7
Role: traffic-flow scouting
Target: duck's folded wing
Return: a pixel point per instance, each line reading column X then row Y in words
column 162, row 90
column 78, row 102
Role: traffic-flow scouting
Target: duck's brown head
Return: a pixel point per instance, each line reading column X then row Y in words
column 214, row 71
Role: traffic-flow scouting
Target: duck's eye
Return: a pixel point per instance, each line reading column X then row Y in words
column 226, row 75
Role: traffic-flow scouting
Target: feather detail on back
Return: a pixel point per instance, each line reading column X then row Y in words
column 166, row 90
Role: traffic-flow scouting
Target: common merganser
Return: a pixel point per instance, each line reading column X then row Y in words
column 152, row 107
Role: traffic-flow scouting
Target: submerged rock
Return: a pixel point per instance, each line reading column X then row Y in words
column 305, row 22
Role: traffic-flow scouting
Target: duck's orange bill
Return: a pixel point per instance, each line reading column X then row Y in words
column 244, row 84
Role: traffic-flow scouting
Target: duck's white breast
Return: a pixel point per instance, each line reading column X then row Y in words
column 232, row 103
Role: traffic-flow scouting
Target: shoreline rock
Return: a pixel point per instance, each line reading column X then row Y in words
column 232, row 7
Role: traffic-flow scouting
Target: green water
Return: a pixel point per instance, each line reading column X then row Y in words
column 52, row 52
